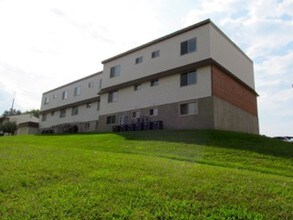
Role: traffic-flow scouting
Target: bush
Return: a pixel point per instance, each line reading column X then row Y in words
column 9, row 127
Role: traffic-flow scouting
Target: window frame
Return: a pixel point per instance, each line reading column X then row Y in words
column 64, row 95
column 190, row 80
column 46, row 100
column 139, row 60
column 189, row 108
column 187, row 46
column 112, row 122
column 137, row 87
column 74, row 111
column 155, row 111
column 154, row 82
column 77, row 91
column 112, row 97
column 135, row 114
column 62, row 113
column 115, row 71
column 155, row 54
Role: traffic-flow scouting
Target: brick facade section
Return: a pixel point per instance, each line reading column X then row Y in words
column 229, row 89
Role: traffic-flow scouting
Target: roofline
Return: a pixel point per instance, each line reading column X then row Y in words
column 73, row 82
column 181, row 31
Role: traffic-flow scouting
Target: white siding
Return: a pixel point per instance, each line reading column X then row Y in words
column 84, row 114
column 169, row 57
column 168, row 91
column 86, row 93
column 230, row 57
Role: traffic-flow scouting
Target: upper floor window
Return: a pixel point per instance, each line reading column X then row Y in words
column 55, row 96
column 113, row 96
column 154, row 82
column 46, row 100
column 137, row 87
column 88, row 105
column 64, row 95
column 100, row 83
column 188, row 46
column 74, row 111
column 44, row 117
column 115, row 71
column 188, row 78
column 77, row 91
column 138, row 60
column 62, row 113
column 91, row 84
column 189, row 108
column 155, row 54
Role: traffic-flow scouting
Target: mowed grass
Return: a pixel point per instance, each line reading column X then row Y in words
column 195, row 174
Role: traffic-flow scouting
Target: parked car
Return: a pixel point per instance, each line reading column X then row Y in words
column 285, row 138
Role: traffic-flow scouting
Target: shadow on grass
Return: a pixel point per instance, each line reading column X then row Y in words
column 216, row 138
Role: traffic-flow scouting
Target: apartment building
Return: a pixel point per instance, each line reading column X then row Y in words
column 190, row 79
column 73, row 107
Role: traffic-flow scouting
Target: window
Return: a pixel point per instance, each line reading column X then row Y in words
column 188, row 78
column 91, row 84
column 154, row 82
column 115, row 71
column 153, row 112
column 64, row 95
column 62, row 113
column 189, row 108
column 155, row 54
column 54, row 96
column 100, row 84
column 135, row 115
column 46, row 100
column 137, row 87
column 74, row 111
column 77, row 91
column 98, row 106
column 138, row 60
column 111, row 119
column 44, row 117
column 86, row 126
column 113, row 96
column 188, row 46
column 52, row 113
column 88, row 105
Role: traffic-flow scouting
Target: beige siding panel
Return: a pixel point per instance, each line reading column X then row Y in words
column 230, row 57
column 86, row 93
column 84, row 114
column 169, row 57
column 168, row 91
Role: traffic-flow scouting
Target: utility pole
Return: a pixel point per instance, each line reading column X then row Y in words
column 11, row 110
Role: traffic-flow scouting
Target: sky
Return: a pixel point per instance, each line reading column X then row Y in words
column 47, row 43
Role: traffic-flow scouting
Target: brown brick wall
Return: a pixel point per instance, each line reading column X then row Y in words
column 229, row 89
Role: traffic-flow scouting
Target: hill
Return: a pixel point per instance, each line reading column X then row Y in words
column 194, row 174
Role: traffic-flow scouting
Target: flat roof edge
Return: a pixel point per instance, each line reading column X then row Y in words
column 86, row 77
column 181, row 31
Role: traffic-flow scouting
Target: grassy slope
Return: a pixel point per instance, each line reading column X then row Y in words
column 154, row 174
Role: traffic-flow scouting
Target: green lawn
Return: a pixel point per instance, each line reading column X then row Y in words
column 197, row 174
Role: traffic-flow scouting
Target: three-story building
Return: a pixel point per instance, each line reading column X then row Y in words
column 193, row 78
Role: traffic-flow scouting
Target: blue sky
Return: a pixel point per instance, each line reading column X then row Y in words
column 47, row 43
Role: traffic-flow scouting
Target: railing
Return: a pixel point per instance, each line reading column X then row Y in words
column 140, row 126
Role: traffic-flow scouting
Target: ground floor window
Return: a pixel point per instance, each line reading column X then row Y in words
column 111, row 119
column 188, row 108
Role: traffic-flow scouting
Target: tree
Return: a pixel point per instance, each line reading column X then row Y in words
column 11, row 112
column 34, row 112
column 8, row 127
